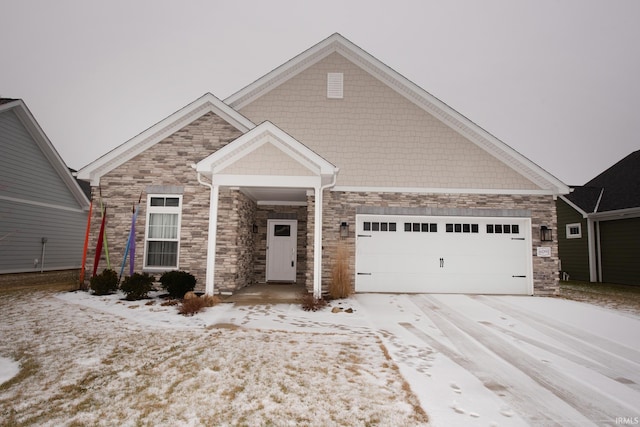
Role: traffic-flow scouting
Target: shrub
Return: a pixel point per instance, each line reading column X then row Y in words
column 340, row 286
column 177, row 283
column 195, row 304
column 137, row 286
column 104, row 283
column 311, row 303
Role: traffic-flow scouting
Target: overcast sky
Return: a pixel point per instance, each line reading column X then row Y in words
column 559, row 81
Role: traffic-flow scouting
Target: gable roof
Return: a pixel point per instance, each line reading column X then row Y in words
column 336, row 43
column 46, row 147
column 207, row 103
column 614, row 189
column 266, row 133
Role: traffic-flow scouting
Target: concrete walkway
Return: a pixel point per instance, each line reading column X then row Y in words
column 279, row 293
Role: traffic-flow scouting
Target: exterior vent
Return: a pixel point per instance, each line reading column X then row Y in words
column 335, row 85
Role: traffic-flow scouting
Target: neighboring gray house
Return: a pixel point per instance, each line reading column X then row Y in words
column 599, row 226
column 332, row 148
column 43, row 211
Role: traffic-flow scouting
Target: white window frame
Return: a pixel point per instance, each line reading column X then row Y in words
column 574, row 236
column 165, row 210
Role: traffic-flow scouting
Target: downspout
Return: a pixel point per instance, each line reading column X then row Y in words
column 211, row 238
column 317, row 240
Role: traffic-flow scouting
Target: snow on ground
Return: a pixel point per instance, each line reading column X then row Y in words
column 467, row 360
column 8, row 369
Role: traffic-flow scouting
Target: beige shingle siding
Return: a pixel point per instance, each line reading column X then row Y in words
column 267, row 160
column 376, row 136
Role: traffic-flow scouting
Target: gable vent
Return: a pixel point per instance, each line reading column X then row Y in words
column 335, row 85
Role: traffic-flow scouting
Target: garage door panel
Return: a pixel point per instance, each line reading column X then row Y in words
column 443, row 254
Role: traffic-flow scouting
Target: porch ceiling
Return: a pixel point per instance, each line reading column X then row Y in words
column 275, row 195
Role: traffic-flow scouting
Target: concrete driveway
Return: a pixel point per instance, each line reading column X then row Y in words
column 501, row 360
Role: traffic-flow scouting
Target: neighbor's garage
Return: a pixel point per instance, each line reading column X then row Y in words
column 476, row 255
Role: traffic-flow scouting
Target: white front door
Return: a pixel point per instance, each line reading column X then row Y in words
column 282, row 238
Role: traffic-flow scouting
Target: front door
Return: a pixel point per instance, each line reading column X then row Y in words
column 282, row 250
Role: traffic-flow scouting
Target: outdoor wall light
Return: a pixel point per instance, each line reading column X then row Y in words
column 546, row 234
column 344, row 229
column 255, row 228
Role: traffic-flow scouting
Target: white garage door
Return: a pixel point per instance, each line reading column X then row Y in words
column 478, row 255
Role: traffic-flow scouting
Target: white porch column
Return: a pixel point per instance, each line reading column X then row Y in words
column 211, row 245
column 317, row 243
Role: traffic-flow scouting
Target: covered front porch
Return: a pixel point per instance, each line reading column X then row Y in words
column 265, row 211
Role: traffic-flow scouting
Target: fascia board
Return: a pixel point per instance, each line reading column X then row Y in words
column 48, row 150
column 156, row 133
column 409, row 90
column 283, row 72
column 617, row 214
column 441, row 190
column 574, row 206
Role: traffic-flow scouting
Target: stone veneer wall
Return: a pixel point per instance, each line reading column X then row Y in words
column 266, row 212
column 341, row 206
column 167, row 163
column 235, row 241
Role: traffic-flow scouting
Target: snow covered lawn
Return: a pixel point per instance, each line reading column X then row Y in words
column 464, row 360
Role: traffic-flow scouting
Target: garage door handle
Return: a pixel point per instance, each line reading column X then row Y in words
column 364, row 274
column 518, row 276
column 364, row 235
column 517, row 238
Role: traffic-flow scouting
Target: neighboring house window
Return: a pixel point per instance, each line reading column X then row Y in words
column 574, row 231
column 162, row 239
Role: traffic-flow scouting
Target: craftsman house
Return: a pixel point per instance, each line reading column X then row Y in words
column 599, row 226
column 332, row 148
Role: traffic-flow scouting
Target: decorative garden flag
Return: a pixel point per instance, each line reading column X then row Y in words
column 131, row 242
column 103, row 210
column 96, row 259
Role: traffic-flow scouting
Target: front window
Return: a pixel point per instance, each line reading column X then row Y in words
column 162, row 239
column 574, row 231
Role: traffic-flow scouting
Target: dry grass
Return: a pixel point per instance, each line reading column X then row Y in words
column 311, row 303
column 193, row 304
column 625, row 298
column 340, row 286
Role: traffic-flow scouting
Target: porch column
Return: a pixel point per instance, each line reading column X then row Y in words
column 317, row 244
column 211, row 241
column 591, row 244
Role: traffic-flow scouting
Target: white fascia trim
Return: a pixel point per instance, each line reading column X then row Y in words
column 156, row 133
column 422, row 190
column 574, row 206
column 617, row 214
column 283, row 73
column 277, row 181
column 48, row 150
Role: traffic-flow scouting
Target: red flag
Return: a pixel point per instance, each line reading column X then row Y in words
column 86, row 244
column 96, row 260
